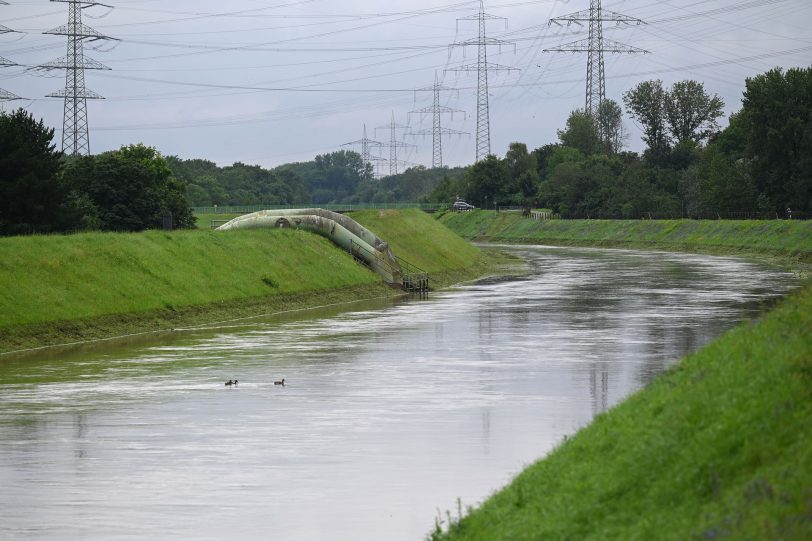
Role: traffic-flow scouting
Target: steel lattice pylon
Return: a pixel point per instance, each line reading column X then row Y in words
column 595, row 75
column 483, row 113
column 367, row 145
column 482, row 67
column 437, row 131
column 75, row 132
column 394, row 144
column 595, row 46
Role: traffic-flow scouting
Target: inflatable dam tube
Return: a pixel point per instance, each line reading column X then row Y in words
column 342, row 230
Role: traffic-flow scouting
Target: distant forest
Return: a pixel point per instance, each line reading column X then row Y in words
column 339, row 177
column 759, row 166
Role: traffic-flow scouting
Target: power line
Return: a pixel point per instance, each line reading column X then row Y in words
column 5, row 95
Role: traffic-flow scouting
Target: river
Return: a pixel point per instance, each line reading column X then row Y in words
column 390, row 413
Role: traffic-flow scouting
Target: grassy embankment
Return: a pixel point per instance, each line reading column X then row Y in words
column 788, row 241
column 63, row 289
column 720, row 447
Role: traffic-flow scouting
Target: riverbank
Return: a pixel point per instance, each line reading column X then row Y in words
column 67, row 289
column 786, row 241
column 720, row 447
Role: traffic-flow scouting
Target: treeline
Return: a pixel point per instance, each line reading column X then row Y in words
column 338, row 177
column 759, row 166
column 43, row 191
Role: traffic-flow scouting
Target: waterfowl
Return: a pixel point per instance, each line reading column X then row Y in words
column 282, row 382
column 229, row 383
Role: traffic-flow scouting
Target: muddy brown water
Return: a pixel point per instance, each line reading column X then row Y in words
column 390, row 412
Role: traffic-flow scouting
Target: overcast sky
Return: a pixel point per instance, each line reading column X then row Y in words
column 271, row 82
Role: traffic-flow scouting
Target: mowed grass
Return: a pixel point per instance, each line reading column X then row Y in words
column 720, row 447
column 419, row 239
column 54, row 278
column 789, row 238
column 51, row 279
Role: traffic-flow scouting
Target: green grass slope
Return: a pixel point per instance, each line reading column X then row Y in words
column 59, row 289
column 52, row 278
column 419, row 239
column 718, row 448
column 787, row 238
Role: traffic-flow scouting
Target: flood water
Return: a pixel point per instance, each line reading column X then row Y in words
column 389, row 413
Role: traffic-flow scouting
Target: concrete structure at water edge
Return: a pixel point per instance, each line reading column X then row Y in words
column 362, row 243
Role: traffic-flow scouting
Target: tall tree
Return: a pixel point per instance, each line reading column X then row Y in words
column 646, row 104
column 691, row 112
column 610, row 124
column 33, row 197
column 777, row 119
column 524, row 176
column 487, row 182
column 581, row 132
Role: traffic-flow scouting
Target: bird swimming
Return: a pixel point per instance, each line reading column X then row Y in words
column 281, row 382
column 230, row 382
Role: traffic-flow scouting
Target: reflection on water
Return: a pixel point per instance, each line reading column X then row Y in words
column 389, row 413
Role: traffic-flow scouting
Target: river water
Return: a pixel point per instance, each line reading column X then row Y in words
column 389, row 413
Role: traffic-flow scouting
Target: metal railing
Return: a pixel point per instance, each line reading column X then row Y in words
column 214, row 224
column 413, row 278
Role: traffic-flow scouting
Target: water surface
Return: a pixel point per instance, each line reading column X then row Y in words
column 389, row 413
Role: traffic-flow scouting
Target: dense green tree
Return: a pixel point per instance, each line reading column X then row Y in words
column 416, row 184
column 581, row 133
column 726, row 186
column 578, row 185
column 646, row 103
column 238, row 184
column 691, row 113
column 524, row 176
column 132, row 189
column 197, row 196
column 488, row 182
column 569, row 189
column 332, row 178
column 447, row 191
column 33, row 196
column 683, row 116
column 776, row 122
column 610, row 126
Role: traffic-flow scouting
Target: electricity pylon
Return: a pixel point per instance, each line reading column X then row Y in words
column 437, row 131
column 595, row 46
column 482, row 67
column 75, row 134
column 394, row 144
column 367, row 145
